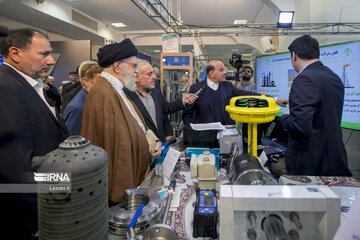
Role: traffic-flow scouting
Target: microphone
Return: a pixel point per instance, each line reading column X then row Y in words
column 200, row 90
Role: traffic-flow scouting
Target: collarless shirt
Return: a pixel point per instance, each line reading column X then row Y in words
column 149, row 104
column 212, row 85
column 119, row 89
column 37, row 85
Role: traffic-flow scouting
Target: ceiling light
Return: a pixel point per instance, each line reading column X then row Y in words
column 234, row 50
column 118, row 24
column 238, row 21
column 285, row 19
column 156, row 51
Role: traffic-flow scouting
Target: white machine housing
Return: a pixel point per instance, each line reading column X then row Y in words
column 317, row 207
column 203, row 167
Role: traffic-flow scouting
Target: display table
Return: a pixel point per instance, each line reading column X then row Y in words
column 181, row 219
column 318, row 180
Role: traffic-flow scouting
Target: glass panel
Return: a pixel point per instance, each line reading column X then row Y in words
column 175, row 87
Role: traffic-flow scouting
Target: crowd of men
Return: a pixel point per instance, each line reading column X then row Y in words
column 118, row 107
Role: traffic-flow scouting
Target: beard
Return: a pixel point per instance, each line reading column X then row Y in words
column 246, row 78
column 129, row 82
column 128, row 79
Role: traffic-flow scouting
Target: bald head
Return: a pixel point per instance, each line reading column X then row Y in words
column 215, row 71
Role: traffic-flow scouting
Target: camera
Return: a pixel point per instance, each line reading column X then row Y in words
column 237, row 63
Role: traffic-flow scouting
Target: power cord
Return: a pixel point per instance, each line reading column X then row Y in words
column 349, row 136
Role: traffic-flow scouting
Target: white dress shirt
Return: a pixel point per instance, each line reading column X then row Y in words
column 212, row 85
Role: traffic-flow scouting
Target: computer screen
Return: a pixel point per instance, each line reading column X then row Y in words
column 275, row 73
column 1, row 59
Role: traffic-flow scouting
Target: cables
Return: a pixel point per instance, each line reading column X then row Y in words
column 349, row 137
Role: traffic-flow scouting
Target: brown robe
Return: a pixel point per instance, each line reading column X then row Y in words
column 108, row 123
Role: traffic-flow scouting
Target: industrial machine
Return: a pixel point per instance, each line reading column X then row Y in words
column 252, row 110
column 120, row 215
column 245, row 169
column 81, row 212
column 162, row 230
column 278, row 212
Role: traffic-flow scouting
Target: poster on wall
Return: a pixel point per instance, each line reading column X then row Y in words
column 275, row 73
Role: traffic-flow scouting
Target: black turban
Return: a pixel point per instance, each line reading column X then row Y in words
column 111, row 53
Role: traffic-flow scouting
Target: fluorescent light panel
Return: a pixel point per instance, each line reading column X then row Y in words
column 239, row 21
column 118, row 24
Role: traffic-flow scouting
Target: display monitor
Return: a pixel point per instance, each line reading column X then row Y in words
column 275, row 73
column 176, row 61
column 1, row 59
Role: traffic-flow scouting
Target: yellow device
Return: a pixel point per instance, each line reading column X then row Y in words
column 252, row 110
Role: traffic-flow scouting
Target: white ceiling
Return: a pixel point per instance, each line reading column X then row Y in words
column 193, row 12
column 201, row 12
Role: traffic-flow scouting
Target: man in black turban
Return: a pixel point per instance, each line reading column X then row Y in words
column 111, row 121
column 111, row 53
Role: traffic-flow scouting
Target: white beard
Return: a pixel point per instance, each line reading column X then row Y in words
column 129, row 80
column 129, row 83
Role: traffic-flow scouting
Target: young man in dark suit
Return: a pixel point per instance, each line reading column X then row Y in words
column 28, row 125
column 315, row 145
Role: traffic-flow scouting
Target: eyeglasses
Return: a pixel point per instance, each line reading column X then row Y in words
column 134, row 65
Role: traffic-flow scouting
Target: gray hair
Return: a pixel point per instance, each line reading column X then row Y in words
column 140, row 65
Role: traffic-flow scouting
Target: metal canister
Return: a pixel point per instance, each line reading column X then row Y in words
column 82, row 212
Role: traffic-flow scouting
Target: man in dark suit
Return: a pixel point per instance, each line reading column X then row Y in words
column 315, row 145
column 216, row 94
column 152, row 104
column 69, row 90
column 28, row 125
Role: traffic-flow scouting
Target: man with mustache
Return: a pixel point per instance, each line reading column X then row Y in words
column 152, row 104
column 29, row 126
column 113, row 122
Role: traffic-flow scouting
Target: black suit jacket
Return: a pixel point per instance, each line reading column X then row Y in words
column 202, row 110
column 315, row 145
column 27, row 129
column 162, row 107
column 69, row 93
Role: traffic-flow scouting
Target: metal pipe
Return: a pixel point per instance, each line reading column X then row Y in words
column 252, row 219
column 294, row 217
column 274, row 228
column 168, row 201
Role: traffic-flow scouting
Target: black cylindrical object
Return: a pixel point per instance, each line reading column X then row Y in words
column 82, row 212
column 247, row 170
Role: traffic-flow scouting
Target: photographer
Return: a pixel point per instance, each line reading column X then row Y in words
column 245, row 77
